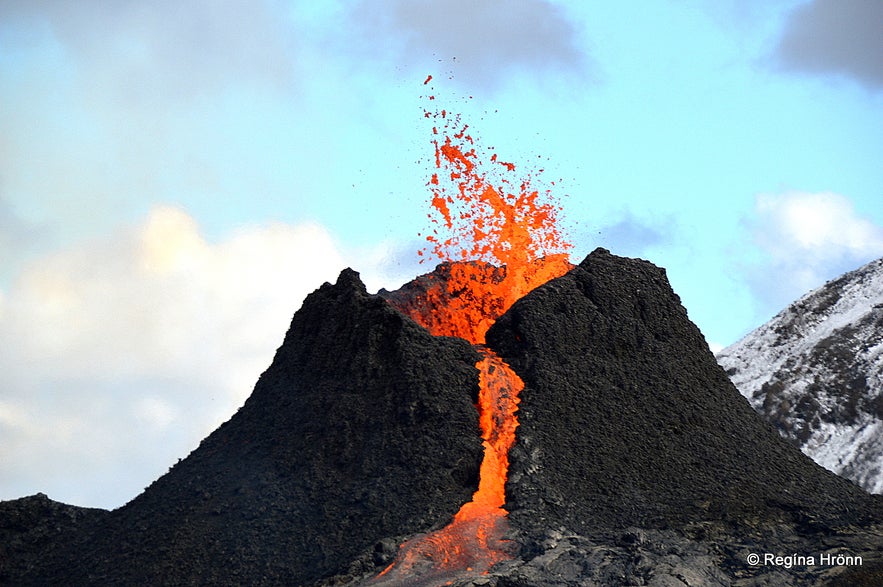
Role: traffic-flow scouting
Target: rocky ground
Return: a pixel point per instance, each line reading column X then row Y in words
column 701, row 556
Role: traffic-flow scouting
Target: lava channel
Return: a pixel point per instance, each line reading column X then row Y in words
column 473, row 542
column 498, row 239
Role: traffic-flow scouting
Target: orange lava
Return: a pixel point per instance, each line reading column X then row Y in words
column 498, row 239
column 465, row 298
column 481, row 209
column 473, row 542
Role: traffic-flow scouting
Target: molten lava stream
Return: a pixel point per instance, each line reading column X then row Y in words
column 464, row 304
column 473, row 542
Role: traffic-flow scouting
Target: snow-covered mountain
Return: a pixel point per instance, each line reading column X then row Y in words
column 815, row 371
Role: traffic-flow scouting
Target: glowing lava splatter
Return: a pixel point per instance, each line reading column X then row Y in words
column 498, row 239
column 482, row 211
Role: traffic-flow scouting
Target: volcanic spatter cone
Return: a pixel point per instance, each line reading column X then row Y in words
column 363, row 432
column 376, row 448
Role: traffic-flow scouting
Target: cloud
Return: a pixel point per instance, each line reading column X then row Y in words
column 119, row 356
column 840, row 37
column 822, row 225
column 110, row 104
column 808, row 238
column 481, row 42
column 165, row 49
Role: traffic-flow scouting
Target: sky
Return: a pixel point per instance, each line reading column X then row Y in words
column 176, row 176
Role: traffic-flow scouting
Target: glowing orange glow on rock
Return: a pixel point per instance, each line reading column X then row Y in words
column 465, row 298
column 497, row 239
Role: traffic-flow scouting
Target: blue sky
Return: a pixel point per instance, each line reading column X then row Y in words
column 175, row 177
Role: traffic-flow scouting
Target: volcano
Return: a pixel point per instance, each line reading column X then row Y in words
column 634, row 457
column 508, row 419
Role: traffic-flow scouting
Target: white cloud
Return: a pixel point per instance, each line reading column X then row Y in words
column 120, row 355
column 156, row 412
column 818, row 225
column 808, row 238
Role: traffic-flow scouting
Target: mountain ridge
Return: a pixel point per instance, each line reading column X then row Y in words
column 815, row 371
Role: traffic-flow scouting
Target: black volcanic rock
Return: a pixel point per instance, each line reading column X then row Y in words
column 31, row 524
column 362, row 428
column 626, row 419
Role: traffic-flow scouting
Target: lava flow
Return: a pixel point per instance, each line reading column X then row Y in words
column 498, row 240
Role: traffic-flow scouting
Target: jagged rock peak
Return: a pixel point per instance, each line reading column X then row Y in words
column 350, row 278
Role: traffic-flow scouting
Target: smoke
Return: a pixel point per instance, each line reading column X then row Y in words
column 634, row 236
column 839, row 37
